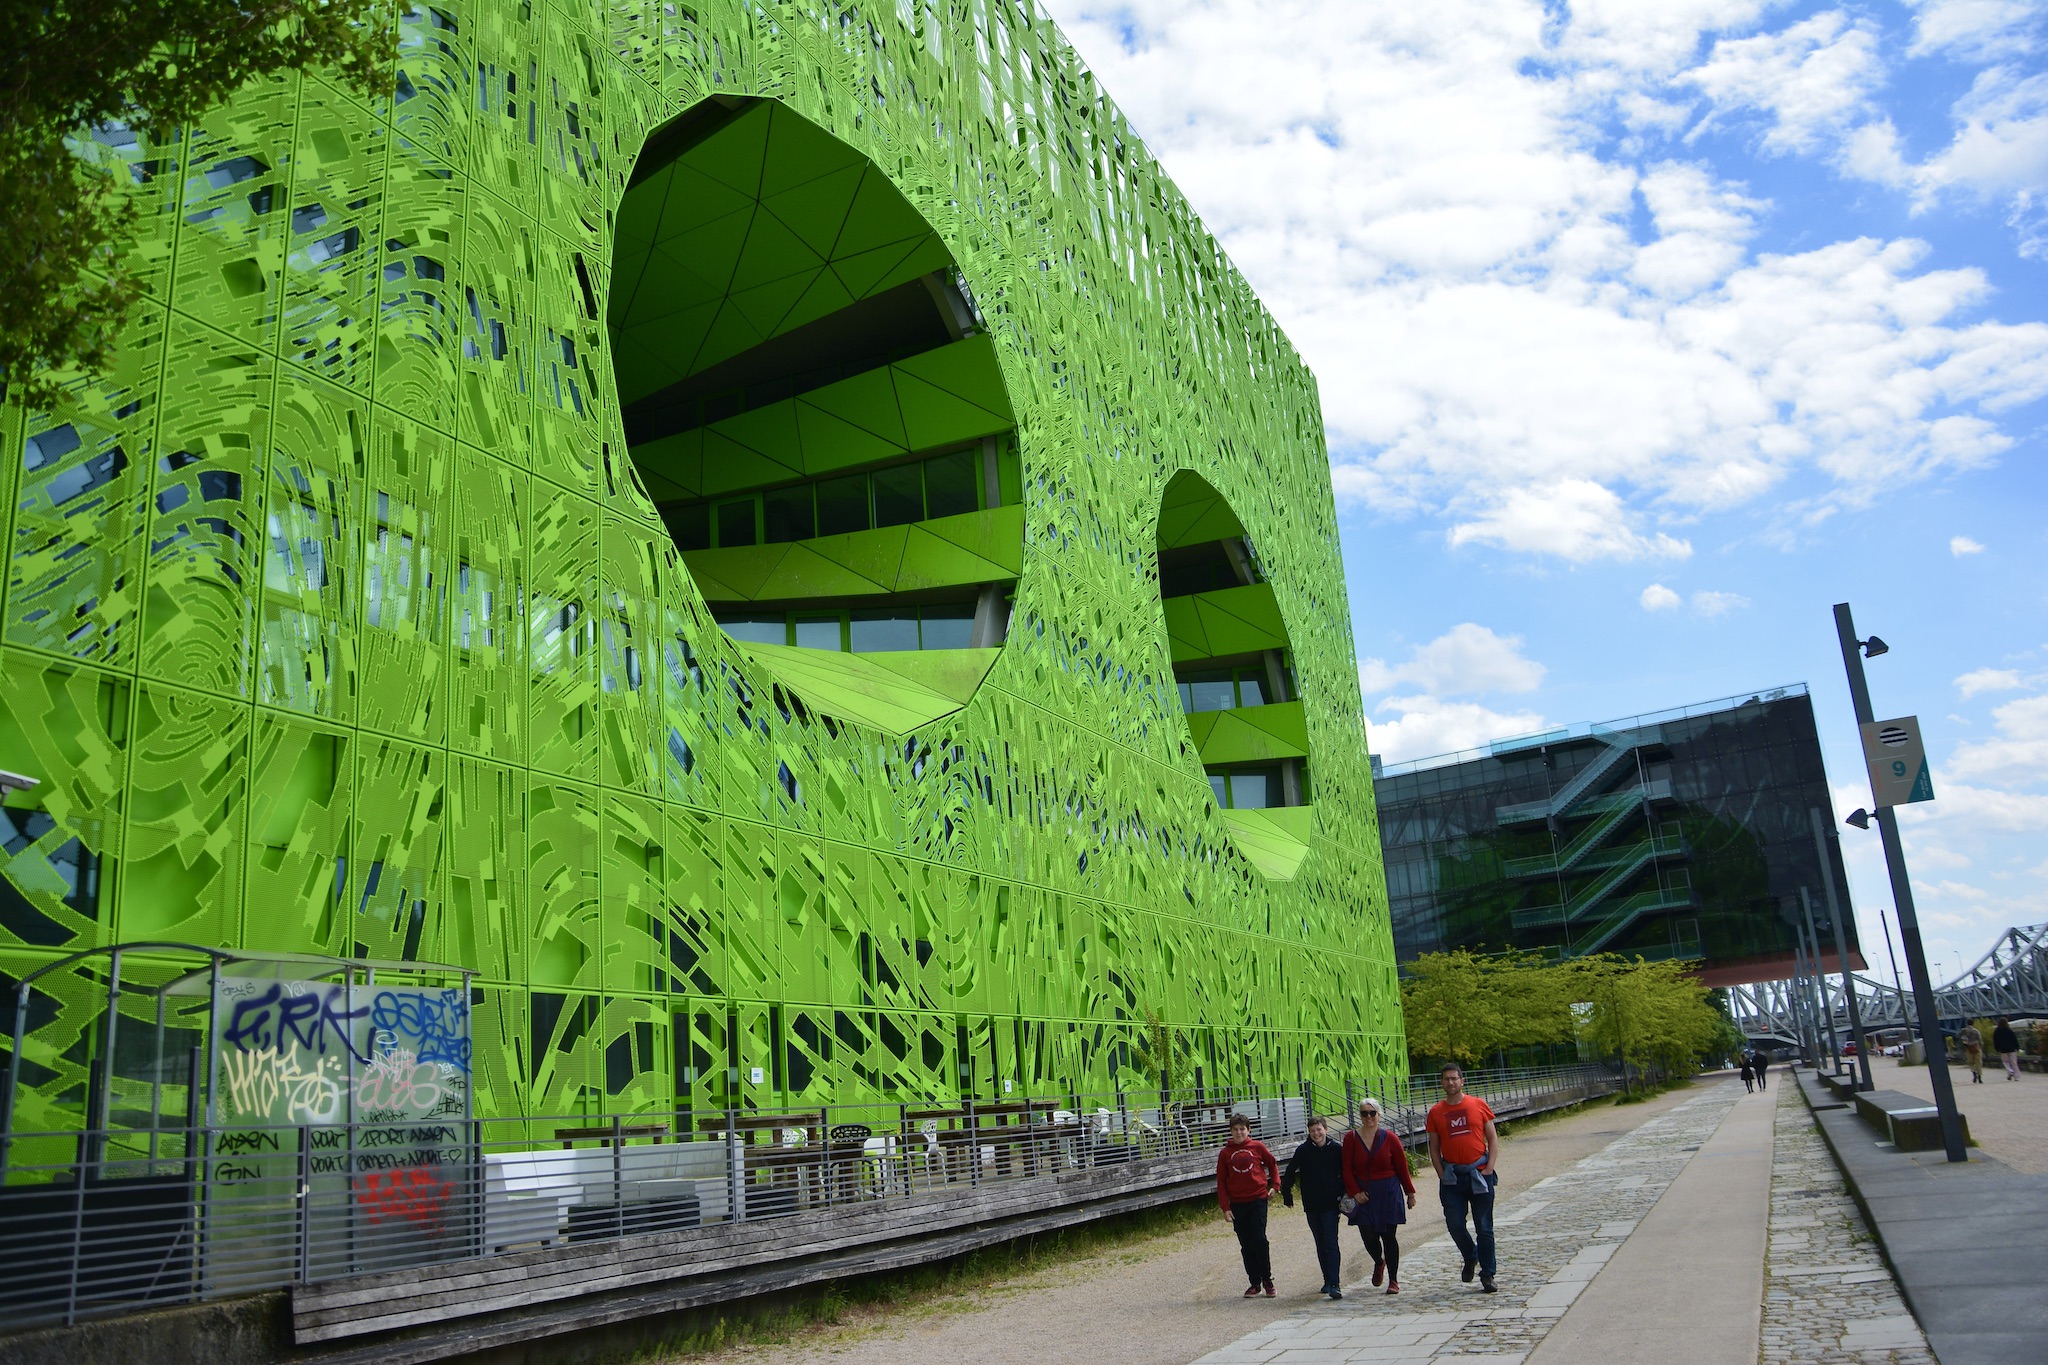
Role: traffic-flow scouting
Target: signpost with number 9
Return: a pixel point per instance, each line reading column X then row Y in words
column 1897, row 761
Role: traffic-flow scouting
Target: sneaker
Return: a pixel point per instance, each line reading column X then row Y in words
column 1393, row 1286
column 1252, row 1293
column 1486, row 1283
column 1270, row 1291
column 1335, row 1292
column 1379, row 1272
column 1466, row 1273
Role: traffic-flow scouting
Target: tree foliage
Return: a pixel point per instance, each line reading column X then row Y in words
column 147, row 66
column 1464, row 1006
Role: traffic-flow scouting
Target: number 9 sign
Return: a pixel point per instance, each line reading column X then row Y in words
column 1897, row 760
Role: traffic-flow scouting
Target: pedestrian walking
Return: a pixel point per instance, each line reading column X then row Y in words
column 1463, row 1143
column 1748, row 1076
column 1762, row 1063
column 1318, row 1164
column 1973, row 1052
column 2006, row 1044
column 1375, row 1180
column 1247, row 1177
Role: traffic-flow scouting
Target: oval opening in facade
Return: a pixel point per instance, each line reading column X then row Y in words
column 814, row 405
column 1233, row 668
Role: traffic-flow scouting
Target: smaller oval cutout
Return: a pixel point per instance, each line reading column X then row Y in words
column 1233, row 668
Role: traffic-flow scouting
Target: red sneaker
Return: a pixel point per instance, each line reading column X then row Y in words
column 1393, row 1287
column 1379, row 1272
column 1252, row 1293
column 1270, row 1291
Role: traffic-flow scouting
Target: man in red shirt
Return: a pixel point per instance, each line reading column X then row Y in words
column 1246, row 1177
column 1462, row 1146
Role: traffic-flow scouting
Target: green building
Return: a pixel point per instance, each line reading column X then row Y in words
column 769, row 534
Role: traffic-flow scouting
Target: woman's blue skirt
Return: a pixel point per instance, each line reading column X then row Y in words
column 1385, row 1204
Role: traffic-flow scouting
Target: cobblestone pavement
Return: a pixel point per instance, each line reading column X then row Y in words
column 1553, row 1238
column 1828, row 1297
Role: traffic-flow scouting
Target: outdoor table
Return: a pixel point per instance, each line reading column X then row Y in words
column 607, row 1132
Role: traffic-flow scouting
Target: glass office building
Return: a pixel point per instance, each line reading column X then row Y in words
column 1704, row 833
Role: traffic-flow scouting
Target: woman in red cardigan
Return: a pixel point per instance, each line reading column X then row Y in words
column 1375, row 1176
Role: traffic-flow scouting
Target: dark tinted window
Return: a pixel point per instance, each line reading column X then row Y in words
column 843, row 505
column 736, row 523
column 949, row 484
column 1251, row 688
column 787, row 512
column 690, row 525
column 899, row 496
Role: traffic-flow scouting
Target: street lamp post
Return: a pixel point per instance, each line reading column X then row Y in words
column 1902, row 900
column 1827, row 875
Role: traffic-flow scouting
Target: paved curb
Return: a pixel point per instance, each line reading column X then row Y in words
column 1966, row 1242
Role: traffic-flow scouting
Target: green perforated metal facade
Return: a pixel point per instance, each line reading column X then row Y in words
column 770, row 532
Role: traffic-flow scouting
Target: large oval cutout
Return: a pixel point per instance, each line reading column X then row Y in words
column 813, row 402
column 1233, row 668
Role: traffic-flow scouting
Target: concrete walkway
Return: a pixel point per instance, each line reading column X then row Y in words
column 1719, row 1233
column 1688, row 1284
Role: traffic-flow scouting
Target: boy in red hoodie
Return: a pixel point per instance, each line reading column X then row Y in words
column 1246, row 1177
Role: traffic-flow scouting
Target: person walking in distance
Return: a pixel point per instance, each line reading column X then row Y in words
column 1973, row 1052
column 1375, row 1179
column 1762, row 1064
column 1748, row 1076
column 2006, row 1044
column 1246, row 1177
column 1463, row 1143
column 1319, row 1165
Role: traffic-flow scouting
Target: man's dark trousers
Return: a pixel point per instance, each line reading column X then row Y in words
column 1248, row 1221
column 1322, row 1225
column 1458, row 1198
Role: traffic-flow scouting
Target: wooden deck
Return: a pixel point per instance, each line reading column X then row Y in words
column 459, row 1307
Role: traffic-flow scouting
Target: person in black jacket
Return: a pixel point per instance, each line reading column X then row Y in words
column 1319, row 1165
column 2006, row 1044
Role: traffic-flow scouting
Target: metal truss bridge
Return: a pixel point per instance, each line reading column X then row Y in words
column 2011, row 979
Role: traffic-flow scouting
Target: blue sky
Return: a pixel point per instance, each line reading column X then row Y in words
column 1646, row 331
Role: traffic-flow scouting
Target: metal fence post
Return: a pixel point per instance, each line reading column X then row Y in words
column 735, row 1169
column 973, row 1147
column 305, row 1203
column 618, row 1178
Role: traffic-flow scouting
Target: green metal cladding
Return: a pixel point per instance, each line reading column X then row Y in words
column 443, row 576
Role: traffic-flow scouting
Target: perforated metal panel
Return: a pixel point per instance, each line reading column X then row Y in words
column 341, row 619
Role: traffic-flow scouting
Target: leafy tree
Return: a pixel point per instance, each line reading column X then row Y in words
column 149, row 66
column 1648, row 1014
column 1451, row 1008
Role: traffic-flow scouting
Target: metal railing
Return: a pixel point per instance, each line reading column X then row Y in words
column 110, row 1220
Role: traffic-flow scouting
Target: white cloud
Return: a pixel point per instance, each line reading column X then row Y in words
column 1988, row 680
column 2019, row 753
column 1987, row 808
column 1426, row 726
column 1811, row 81
column 1982, row 30
column 1560, row 350
column 1466, row 660
column 1718, row 603
column 1657, row 597
column 1963, row 545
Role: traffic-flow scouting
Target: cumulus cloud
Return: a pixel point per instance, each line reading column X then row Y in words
column 2018, row 754
column 1988, row 680
column 1982, row 30
column 1657, row 597
column 1718, row 603
column 1466, row 660
column 1553, row 348
column 1422, row 727
column 1809, row 83
column 1963, row 545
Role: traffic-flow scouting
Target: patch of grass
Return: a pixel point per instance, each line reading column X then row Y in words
column 1646, row 1091
column 960, row 1283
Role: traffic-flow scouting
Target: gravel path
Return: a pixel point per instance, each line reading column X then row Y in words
column 1170, row 1300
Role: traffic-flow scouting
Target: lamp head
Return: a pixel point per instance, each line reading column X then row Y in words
column 1874, row 647
column 1860, row 818
column 16, row 782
